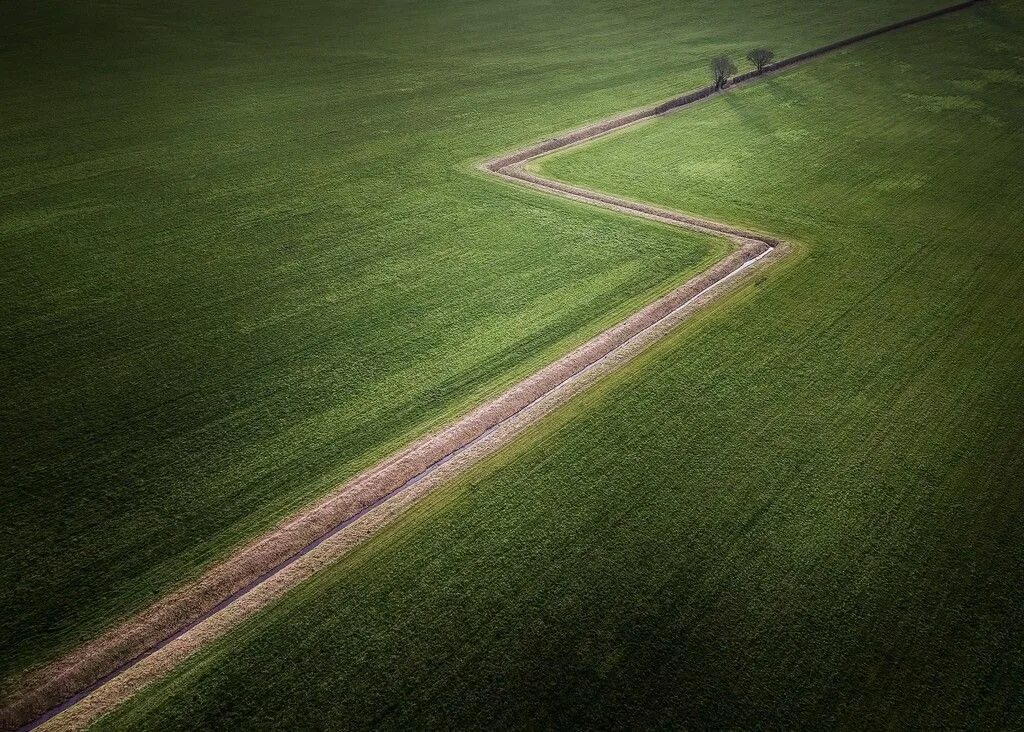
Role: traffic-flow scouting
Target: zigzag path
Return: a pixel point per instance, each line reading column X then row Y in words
column 73, row 691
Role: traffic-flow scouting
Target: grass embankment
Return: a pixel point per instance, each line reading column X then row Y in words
column 803, row 510
column 242, row 257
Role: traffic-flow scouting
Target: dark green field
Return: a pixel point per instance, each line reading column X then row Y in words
column 244, row 254
column 805, row 509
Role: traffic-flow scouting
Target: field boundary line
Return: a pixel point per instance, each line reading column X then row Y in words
column 90, row 681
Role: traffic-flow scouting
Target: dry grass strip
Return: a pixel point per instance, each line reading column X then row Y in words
column 243, row 578
column 154, row 666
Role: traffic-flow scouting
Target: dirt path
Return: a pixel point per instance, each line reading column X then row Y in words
column 73, row 691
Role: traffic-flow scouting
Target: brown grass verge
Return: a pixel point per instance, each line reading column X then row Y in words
column 247, row 567
column 241, row 575
column 154, row 666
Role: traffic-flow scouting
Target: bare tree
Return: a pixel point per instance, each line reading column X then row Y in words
column 722, row 68
column 761, row 57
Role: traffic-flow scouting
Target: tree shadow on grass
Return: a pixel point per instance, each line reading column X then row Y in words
column 778, row 95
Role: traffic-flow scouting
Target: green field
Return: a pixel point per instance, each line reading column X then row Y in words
column 802, row 510
column 245, row 254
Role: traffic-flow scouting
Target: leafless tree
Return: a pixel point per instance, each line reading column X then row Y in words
column 722, row 68
column 761, row 57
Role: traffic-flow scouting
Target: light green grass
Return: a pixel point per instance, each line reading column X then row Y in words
column 244, row 255
column 804, row 510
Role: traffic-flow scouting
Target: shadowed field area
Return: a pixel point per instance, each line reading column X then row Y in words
column 802, row 510
column 243, row 258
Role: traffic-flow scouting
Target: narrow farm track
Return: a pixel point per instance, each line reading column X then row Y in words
column 92, row 680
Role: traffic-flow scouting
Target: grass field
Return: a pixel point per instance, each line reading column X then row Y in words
column 243, row 257
column 802, row 510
